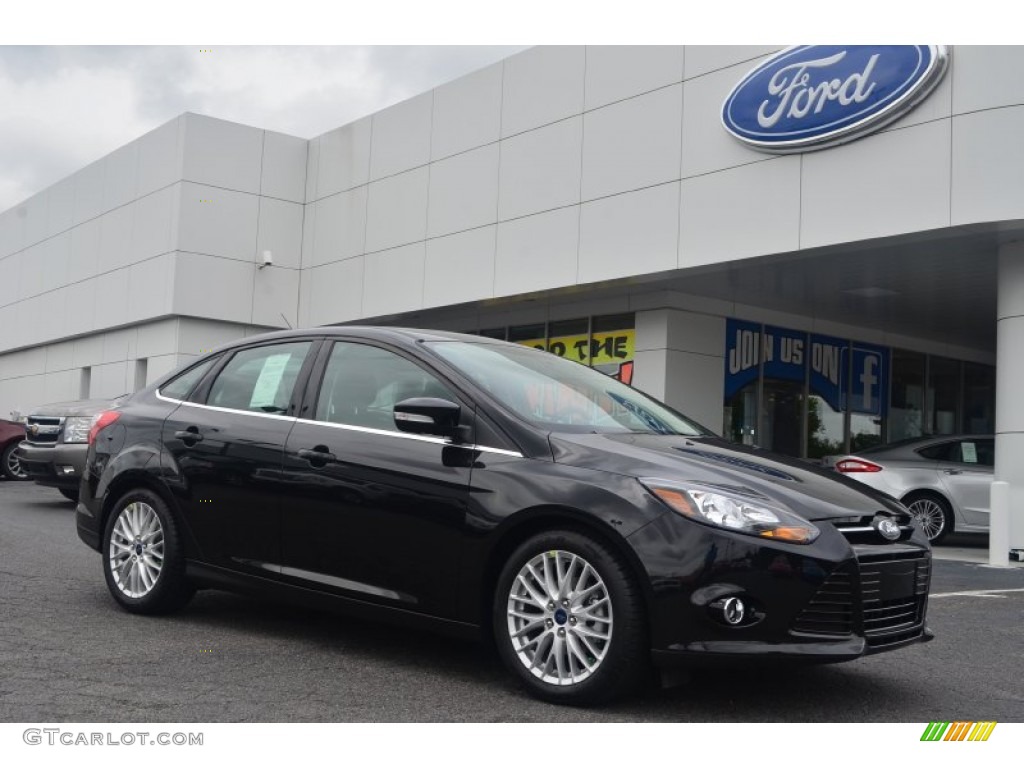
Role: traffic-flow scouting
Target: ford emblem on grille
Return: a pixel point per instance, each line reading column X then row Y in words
column 888, row 529
column 33, row 429
column 815, row 96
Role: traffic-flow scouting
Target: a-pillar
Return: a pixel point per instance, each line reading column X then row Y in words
column 1009, row 400
column 680, row 360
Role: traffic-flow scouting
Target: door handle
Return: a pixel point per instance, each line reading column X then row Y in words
column 189, row 436
column 953, row 471
column 318, row 456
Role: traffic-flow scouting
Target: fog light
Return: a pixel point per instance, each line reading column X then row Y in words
column 731, row 610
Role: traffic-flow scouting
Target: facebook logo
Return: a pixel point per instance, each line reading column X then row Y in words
column 868, row 382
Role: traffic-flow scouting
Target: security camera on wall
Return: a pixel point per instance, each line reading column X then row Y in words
column 266, row 259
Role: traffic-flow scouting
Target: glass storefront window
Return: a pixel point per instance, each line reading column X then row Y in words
column 906, row 413
column 942, row 414
column 979, row 399
column 825, row 429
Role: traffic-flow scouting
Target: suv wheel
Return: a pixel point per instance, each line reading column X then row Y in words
column 10, row 466
column 142, row 556
column 568, row 620
column 69, row 495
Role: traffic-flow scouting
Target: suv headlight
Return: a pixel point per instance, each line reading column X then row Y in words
column 732, row 509
column 76, row 428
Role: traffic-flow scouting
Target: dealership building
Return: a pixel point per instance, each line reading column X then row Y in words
column 811, row 251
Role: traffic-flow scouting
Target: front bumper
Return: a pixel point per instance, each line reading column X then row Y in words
column 46, row 464
column 829, row 601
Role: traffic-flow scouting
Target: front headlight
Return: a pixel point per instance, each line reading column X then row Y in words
column 76, row 428
column 733, row 509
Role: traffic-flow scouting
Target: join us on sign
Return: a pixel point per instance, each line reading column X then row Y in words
column 825, row 358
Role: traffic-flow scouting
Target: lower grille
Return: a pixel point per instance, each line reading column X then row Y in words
column 830, row 611
column 884, row 595
column 894, row 589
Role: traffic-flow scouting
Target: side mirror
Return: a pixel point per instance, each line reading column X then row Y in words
column 428, row 416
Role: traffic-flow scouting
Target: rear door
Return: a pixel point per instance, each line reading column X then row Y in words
column 227, row 444
column 967, row 476
column 374, row 513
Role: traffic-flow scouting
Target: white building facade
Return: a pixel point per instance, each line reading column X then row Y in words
column 583, row 199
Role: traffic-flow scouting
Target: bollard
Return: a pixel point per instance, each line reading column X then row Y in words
column 999, row 525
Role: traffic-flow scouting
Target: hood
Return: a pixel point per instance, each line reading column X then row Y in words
column 812, row 493
column 78, row 407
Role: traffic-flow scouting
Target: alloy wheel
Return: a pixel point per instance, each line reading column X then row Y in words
column 136, row 549
column 560, row 618
column 930, row 515
column 14, row 468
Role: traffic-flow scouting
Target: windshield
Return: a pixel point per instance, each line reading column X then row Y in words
column 560, row 395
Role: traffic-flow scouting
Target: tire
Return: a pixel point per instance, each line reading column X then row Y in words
column 141, row 526
column 581, row 652
column 933, row 514
column 69, row 495
column 10, row 467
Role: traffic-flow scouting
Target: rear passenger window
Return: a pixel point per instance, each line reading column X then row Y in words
column 180, row 387
column 362, row 384
column 260, row 379
column 941, row 452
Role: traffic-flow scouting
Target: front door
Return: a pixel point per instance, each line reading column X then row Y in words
column 374, row 513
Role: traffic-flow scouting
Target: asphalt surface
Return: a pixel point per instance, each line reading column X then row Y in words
column 68, row 653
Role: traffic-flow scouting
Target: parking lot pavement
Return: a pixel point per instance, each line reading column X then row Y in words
column 68, row 653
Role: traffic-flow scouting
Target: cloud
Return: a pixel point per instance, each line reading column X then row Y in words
column 64, row 107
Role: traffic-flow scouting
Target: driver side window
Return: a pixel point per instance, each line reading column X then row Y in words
column 362, row 383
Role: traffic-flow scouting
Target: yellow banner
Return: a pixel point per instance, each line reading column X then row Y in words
column 604, row 348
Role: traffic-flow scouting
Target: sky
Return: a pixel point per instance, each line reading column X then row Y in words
column 66, row 106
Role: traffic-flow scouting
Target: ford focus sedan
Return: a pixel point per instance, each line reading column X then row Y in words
column 490, row 490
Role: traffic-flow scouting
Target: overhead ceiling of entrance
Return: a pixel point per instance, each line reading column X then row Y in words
column 939, row 286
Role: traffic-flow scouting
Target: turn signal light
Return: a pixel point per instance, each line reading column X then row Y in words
column 105, row 419
column 856, row 465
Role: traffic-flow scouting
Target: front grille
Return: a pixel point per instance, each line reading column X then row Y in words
column 43, row 430
column 884, row 595
column 830, row 611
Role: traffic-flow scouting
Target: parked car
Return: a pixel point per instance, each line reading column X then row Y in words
column 943, row 480
column 53, row 453
column 11, row 435
column 487, row 489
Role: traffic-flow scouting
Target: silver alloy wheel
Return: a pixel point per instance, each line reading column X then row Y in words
column 930, row 514
column 560, row 618
column 137, row 549
column 14, row 466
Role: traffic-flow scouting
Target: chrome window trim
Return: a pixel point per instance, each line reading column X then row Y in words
column 349, row 427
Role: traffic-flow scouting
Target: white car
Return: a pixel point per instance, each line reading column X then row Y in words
column 945, row 481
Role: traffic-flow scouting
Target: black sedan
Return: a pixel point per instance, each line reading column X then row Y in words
column 491, row 490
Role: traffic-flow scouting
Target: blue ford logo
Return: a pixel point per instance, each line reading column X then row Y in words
column 814, row 96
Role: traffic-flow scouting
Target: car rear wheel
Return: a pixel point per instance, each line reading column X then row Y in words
column 68, row 494
column 932, row 513
column 143, row 561
column 10, row 466
column 569, row 621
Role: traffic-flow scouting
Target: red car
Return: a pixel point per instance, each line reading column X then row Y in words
column 11, row 434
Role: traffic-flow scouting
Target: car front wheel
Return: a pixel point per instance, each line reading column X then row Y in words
column 143, row 560
column 569, row 621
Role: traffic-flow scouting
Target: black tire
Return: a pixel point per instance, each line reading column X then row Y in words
column 69, row 495
column 918, row 501
column 5, row 463
column 625, row 663
column 171, row 589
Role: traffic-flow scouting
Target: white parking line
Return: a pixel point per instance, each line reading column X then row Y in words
column 976, row 593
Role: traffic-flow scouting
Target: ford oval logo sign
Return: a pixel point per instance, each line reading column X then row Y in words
column 815, row 96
